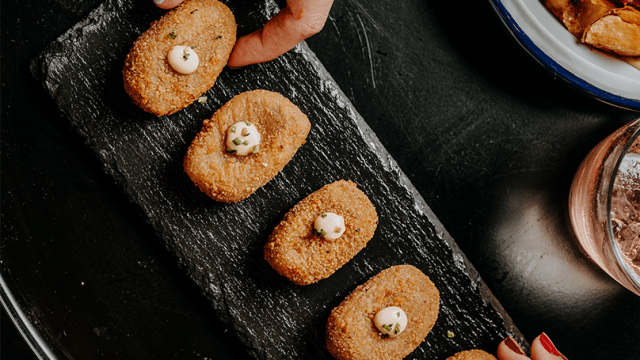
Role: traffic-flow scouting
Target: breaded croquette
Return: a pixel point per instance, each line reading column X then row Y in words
column 225, row 175
column 296, row 250
column 351, row 332
column 206, row 27
column 472, row 355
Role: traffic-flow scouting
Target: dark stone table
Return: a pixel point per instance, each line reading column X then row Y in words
column 487, row 137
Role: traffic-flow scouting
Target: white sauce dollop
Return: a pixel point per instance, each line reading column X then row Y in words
column 243, row 139
column 183, row 59
column 391, row 321
column 329, row 225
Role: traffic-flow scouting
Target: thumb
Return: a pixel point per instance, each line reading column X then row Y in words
column 297, row 21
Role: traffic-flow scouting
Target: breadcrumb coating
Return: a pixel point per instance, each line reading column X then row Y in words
column 294, row 249
column 351, row 332
column 472, row 355
column 208, row 26
column 227, row 177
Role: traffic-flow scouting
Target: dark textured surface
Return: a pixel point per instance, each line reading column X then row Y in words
column 220, row 245
column 492, row 142
column 489, row 140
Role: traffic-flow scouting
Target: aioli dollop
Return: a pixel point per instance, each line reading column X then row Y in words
column 391, row 321
column 243, row 138
column 329, row 225
column 183, row 59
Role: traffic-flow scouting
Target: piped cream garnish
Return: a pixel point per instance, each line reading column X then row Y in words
column 391, row 321
column 243, row 138
column 329, row 225
column 183, row 59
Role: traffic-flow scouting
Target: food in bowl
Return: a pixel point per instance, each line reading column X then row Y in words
column 609, row 26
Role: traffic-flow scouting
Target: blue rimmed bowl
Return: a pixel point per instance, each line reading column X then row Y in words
column 601, row 76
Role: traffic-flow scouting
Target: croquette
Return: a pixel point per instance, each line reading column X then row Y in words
column 207, row 26
column 351, row 332
column 228, row 177
column 296, row 251
column 472, row 355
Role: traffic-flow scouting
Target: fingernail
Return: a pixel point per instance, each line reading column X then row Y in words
column 158, row 1
column 548, row 345
column 513, row 345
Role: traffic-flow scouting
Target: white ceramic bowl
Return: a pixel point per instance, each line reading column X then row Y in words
column 604, row 77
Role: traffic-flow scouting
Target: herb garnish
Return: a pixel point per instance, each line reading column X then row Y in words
column 173, row 34
column 233, row 129
column 321, row 232
column 387, row 327
column 218, row 37
column 237, row 141
column 255, row 149
column 337, row 229
column 245, row 132
column 231, row 151
column 194, row 11
column 323, row 216
column 246, row 142
column 248, row 123
column 397, row 328
column 185, row 54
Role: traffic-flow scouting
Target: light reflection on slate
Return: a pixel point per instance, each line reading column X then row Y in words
column 220, row 245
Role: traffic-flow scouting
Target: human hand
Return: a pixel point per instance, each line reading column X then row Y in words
column 541, row 349
column 299, row 20
column 167, row 4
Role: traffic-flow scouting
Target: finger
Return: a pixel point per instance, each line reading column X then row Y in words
column 299, row 20
column 510, row 350
column 543, row 349
column 167, row 4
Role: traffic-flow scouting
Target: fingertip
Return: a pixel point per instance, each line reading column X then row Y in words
column 250, row 49
column 237, row 59
column 542, row 348
column 509, row 349
column 296, row 22
column 167, row 4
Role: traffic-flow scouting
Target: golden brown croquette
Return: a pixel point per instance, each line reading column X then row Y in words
column 228, row 177
column 351, row 332
column 208, row 26
column 472, row 355
column 297, row 252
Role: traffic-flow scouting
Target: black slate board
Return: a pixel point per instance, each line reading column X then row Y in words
column 220, row 245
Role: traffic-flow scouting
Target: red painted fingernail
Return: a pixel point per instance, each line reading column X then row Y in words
column 513, row 345
column 548, row 345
